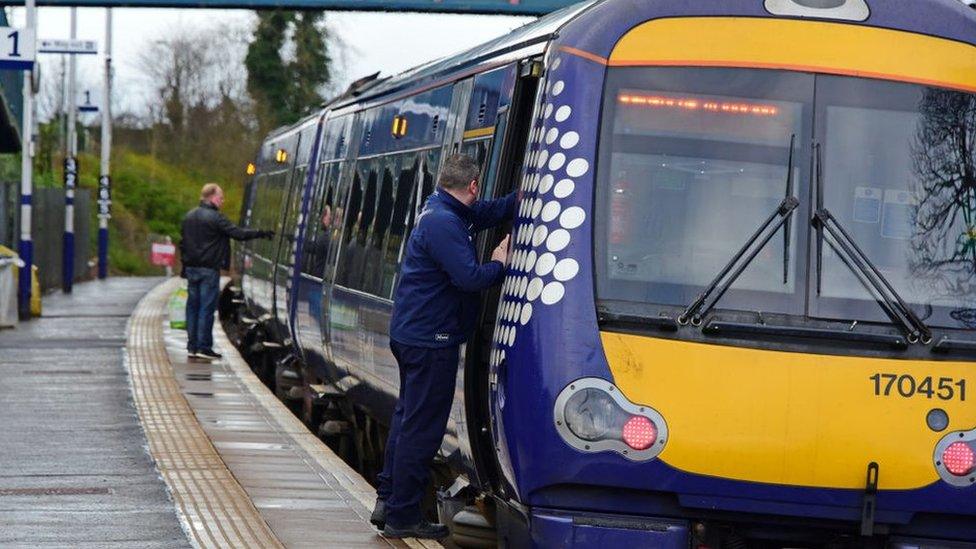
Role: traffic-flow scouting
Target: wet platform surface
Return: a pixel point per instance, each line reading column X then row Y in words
column 74, row 470
column 111, row 437
column 273, row 469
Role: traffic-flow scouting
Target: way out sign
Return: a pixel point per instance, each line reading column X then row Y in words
column 16, row 48
column 68, row 45
column 163, row 254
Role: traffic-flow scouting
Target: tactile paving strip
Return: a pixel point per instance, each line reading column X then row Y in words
column 216, row 510
column 243, row 440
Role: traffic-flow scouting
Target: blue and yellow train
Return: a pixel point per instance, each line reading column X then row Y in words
column 741, row 304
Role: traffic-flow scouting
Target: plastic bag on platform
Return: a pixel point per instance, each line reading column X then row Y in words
column 177, row 308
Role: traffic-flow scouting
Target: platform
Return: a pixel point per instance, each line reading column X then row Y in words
column 74, row 470
column 115, row 439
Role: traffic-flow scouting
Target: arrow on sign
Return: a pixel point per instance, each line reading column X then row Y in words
column 69, row 46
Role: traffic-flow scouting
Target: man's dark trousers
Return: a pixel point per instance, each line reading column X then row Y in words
column 427, row 379
column 201, row 301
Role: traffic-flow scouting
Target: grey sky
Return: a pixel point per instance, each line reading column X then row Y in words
column 387, row 42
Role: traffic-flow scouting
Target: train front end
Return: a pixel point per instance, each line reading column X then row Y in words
column 741, row 308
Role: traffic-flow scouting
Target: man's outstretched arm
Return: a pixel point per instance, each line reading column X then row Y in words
column 239, row 233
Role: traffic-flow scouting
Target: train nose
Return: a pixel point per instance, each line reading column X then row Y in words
column 592, row 415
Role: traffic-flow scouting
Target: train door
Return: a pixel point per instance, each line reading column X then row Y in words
column 303, row 224
column 285, row 241
column 505, row 157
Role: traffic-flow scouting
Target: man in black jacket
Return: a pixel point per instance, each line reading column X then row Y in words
column 205, row 250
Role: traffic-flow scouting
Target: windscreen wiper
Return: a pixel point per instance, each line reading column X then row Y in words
column 742, row 258
column 789, row 220
column 859, row 263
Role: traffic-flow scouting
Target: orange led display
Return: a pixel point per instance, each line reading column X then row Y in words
column 695, row 104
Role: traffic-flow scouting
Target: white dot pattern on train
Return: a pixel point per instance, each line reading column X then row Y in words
column 540, row 268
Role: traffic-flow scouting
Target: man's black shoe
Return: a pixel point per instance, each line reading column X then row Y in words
column 378, row 518
column 209, row 353
column 421, row 530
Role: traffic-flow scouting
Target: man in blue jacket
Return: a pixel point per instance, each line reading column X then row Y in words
column 435, row 308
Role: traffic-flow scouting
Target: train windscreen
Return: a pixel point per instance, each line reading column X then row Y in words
column 899, row 171
column 697, row 159
column 693, row 160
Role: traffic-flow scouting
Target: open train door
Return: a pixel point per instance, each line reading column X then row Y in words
column 501, row 177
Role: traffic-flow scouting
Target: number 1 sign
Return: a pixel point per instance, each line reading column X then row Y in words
column 16, row 48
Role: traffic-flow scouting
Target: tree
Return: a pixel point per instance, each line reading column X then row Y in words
column 286, row 90
column 267, row 75
column 944, row 155
column 311, row 69
column 201, row 116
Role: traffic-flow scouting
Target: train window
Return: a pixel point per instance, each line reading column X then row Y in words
column 351, row 223
column 405, row 189
column 490, row 171
column 680, row 150
column 317, row 233
column 428, row 184
column 263, row 219
column 373, row 270
column 479, row 151
column 889, row 173
column 293, row 196
column 367, row 215
column 338, row 190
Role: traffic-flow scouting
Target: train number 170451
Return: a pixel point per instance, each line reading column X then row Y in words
column 943, row 388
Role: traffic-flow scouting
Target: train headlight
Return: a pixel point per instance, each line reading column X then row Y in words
column 593, row 416
column 955, row 458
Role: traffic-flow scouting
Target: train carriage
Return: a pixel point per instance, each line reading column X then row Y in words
column 740, row 309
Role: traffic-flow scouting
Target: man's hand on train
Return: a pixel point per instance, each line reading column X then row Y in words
column 501, row 252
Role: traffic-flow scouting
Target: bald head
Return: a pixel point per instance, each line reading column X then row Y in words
column 212, row 193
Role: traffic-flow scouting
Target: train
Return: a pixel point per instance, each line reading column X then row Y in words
column 740, row 306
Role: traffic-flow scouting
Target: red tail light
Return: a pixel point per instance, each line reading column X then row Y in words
column 639, row 433
column 592, row 415
column 959, row 459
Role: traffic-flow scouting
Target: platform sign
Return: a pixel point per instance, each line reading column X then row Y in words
column 87, row 105
column 16, row 48
column 163, row 254
column 67, row 45
column 105, row 196
column 70, row 173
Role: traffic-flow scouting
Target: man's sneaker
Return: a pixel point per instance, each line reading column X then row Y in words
column 421, row 530
column 209, row 353
column 192, row 354
column 378, row 518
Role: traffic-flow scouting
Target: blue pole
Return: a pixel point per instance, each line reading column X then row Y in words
column 25, row 246
column 105, row 180
column 25, row 249
column 68, row 262
column 102, row 250
column 68, row 247
column 70, row 169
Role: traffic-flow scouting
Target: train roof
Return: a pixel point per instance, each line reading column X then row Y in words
column 536, row 32
column 598, row 29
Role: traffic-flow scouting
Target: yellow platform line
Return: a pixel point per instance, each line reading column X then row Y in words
column 351, row 482
column 214, row 508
